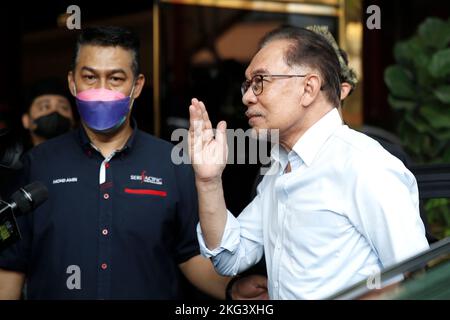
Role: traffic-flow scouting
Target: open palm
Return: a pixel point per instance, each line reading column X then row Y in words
column 208, row 152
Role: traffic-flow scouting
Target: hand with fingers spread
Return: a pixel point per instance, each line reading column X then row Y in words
column 208, row 152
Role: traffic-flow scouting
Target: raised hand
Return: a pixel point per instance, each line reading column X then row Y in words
column 208, row 152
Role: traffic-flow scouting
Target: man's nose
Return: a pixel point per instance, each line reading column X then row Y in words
column 249, row 97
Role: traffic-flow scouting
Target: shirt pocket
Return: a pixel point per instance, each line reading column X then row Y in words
column 144, row 210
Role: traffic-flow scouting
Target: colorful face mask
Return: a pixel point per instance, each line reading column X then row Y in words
column 103, row 110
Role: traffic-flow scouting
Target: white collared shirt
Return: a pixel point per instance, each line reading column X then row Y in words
column 347, row 209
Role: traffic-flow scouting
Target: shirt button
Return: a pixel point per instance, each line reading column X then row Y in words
column 104, row 266
column 106, row 196
column 105, row 232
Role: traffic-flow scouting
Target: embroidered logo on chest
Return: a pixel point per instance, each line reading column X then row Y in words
column 143, row 178
column 65, row 180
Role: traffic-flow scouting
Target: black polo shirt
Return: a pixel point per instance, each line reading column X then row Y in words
column 111, row 228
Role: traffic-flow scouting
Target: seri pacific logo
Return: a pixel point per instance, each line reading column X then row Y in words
column 65, row 180
column 143, row 178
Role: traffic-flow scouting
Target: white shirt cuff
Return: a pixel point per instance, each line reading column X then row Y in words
column 230, row 239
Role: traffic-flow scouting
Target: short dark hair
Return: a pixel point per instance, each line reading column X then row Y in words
column 51, row 85
column 109, row 36
column 312, row 50
column 344, row 56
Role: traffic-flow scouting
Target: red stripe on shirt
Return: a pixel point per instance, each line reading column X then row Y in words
column 146, row 191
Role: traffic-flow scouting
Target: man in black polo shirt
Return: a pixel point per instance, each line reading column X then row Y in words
column 120, row 218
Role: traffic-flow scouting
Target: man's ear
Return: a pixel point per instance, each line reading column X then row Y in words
column 26, row 121
column 312, row 86
column 71, row 83
column 138, row 85
column 345, row 89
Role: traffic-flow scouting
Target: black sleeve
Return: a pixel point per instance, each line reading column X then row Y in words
column 187, row 215
column 16, row 257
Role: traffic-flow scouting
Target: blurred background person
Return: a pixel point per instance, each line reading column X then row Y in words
column 48, row 111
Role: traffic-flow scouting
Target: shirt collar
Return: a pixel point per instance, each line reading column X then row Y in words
column 315, row 137
column 85, row 142
column 312, row 140
column 278, row 154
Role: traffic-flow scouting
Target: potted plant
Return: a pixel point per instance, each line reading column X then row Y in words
column 419, row 91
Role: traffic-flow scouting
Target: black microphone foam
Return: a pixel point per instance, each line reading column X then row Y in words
column 30, row 197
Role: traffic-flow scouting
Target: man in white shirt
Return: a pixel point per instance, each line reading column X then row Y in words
column 338, row 208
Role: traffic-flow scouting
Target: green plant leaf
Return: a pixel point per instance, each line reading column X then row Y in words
column 417, row 122
column 446, row 155
column 434, row 149
column 411, row 53
column 399, row 81
column 441, row 134
column 400, row 104
column 446, row 232
column 435, row 33
column 410, row 138
column 443, row 94
column 440, row 64
column 436, row 116
column 406, row 51
column 419, row 89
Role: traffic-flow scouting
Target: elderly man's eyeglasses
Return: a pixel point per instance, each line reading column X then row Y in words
column 256, row 83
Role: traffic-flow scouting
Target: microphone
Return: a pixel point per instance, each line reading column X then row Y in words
column 29, row 198
column 24, row 200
